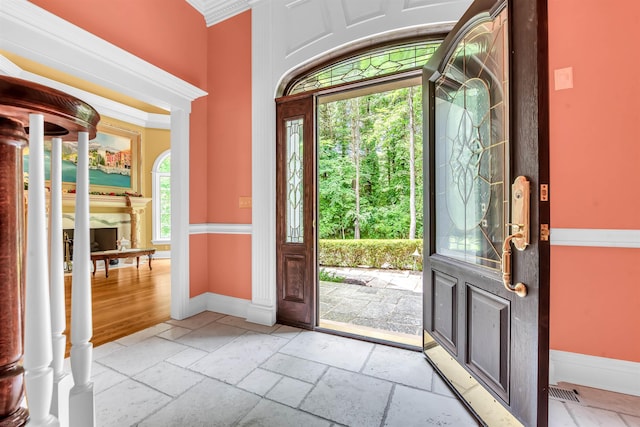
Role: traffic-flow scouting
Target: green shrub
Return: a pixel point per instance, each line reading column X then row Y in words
column 374, row 253
column 327, row 276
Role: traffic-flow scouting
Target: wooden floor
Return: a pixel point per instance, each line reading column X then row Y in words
column 128, row 301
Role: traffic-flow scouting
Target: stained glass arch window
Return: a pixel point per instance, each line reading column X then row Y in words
column 376, row 62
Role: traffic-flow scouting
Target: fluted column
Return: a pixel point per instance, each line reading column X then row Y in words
column 81, row 400
column 37, row 336
column 62, row 382
column 12, row 142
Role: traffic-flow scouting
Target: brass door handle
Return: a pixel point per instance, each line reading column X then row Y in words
column 520, row 197
column 520, row 289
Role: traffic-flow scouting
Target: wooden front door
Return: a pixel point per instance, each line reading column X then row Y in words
column 295, row 201
column 486, row 277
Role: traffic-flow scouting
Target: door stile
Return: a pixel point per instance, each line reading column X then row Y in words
column 530, row 130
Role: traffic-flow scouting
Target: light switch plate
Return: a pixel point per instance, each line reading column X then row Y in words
column 563, row 78
column 244, row 202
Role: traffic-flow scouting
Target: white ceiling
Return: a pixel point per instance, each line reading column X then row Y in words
column 215, row 11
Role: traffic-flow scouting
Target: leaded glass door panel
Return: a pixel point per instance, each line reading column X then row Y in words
column 295, row 211
column 485, row 130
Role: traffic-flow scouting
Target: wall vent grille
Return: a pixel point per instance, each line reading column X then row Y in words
column 563, row 394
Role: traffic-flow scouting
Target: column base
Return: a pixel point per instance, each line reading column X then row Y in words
column 16, row 419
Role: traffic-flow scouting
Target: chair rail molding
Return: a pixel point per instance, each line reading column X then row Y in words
column 37, row 35
column 220, row 229
column 595, row 237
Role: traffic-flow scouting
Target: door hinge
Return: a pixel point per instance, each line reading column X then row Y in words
column 544, row 232
column 544, row 192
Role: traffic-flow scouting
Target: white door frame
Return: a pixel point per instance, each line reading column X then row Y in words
column 288, row 37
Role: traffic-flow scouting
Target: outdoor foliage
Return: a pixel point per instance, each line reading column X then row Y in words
column 370, row 166
column 327, row 276
column 165, row 197
column 374, row 253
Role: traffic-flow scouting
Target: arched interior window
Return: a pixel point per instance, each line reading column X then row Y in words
column 162, row 199
column 372, row 63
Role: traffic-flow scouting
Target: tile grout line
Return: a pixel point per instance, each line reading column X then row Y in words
column 388, row 405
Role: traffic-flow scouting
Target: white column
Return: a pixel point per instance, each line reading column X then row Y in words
column 81, row 399
column 62, row 382
column 180, row 214
column 263, row 178
column 37, row 336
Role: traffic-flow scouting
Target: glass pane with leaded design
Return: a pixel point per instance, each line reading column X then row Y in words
column 295, row 185
column 471, row 122
column 374, row 63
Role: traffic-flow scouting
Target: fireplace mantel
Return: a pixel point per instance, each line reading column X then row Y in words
column 132, row 206
column 104, row 201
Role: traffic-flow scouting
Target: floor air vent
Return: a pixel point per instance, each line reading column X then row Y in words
column 563, row 394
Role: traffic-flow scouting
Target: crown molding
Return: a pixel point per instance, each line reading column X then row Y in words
column 104, row 106
column 215, row 11
column 37, row 34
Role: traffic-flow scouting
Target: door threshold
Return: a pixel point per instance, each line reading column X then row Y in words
column 397, row 339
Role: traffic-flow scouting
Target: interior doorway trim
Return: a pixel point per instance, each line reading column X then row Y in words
column 277, row 55
column 35, row 34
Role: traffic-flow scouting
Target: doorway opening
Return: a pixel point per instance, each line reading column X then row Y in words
column 349, row 195
column 369, row 211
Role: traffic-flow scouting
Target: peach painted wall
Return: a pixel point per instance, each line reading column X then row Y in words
column 228, row 158
column 198, row 258
column 198, row 169
column 595, row 176
column 229, row 154
column 230, row 265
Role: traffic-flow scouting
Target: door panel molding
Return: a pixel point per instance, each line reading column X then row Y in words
column 494, row 325
column 294, row 277
column 444, row 304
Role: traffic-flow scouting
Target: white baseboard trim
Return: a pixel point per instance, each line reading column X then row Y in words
column 197, row 305
column 228, row 305
column 162, row 254
column 261, row 315
column 223, row 304
column 616, row 375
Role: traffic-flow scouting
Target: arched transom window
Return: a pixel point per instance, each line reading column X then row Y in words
column 162, row 199
column 372, row 63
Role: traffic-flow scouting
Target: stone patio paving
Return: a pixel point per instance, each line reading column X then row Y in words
column 389, row 300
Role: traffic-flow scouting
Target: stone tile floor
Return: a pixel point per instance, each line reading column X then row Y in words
column 388, row 300
column 217, row 370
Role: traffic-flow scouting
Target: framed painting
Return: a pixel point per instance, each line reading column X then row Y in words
column 114, row 162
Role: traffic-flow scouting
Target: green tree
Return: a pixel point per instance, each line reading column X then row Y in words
column 370, row 166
